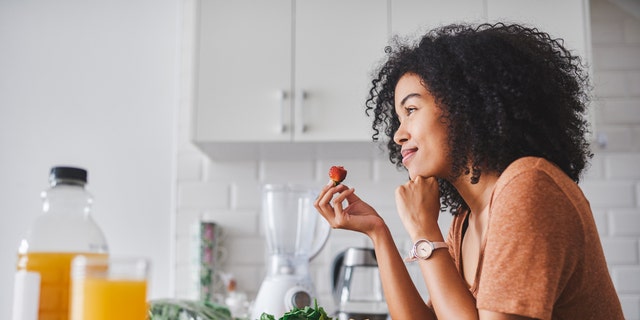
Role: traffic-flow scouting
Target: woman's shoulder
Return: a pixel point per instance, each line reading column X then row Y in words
column 531, row 163
column 530, row 178
column 532, row 169
column 526, row 174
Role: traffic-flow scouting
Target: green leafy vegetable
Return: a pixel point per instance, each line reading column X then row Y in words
column 173, row 309
column 306, row 313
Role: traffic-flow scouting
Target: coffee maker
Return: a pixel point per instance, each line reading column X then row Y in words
column 295, row 234
column 356, row 286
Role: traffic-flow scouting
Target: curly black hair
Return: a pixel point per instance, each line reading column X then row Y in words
column 506, row 91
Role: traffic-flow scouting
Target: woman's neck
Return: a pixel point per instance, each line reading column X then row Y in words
column 476, row 196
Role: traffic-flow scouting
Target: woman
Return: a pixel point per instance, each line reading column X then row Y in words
column 489, row 123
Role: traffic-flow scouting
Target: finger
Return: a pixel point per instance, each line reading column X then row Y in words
column 323, row 203
column 340, row 215
column 341, row 197
column 350, row 196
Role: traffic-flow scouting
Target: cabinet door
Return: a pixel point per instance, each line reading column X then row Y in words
column 410, row 19
column 243, row 70
column 566, row 19
column 337, row 46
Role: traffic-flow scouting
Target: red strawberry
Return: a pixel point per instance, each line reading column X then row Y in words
column 337, row 174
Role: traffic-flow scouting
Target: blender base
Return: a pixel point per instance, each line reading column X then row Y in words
column 279, row 294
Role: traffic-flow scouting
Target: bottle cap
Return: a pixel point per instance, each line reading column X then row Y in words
column 68, row 174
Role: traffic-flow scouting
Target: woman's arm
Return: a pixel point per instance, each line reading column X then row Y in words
column 402, row 297
column 419, row 207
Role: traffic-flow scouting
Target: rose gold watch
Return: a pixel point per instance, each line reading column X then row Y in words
column 423, row 249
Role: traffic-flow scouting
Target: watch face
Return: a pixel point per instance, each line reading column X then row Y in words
column 423, row 249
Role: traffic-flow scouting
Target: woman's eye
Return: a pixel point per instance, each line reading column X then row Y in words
column 409, row 110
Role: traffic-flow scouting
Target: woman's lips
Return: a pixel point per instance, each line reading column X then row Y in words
column 407, row 154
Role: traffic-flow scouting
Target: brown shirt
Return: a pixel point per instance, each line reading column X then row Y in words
column 541, row 256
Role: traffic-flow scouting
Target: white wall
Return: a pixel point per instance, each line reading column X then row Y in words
column 227, row 192
column 94, row 84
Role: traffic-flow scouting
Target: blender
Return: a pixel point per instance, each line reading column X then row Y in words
column 295, row 234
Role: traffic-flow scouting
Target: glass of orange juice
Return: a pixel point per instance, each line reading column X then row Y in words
column 107, row 288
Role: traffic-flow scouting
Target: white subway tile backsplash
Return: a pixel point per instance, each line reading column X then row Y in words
column 606, row 31
column 604, row 10
column 185, row 221
column 185, row 250
column 609, row 193
column 186, row 283
column 633, row 77
column 202, row 195
column 622, row 251
column 626, row 279
column 595, row 170
column 617, row 138
column 630, row 306
column 384, row 170
column 231, row 171
column 602, row 223
column 338, row 241
column 245, row 250
column 632, row 31
column 635, row 134
column 625, row 222
column 246, row 195
column 623, row 166
column 233, row 223
column 610, row 84
column 287, row 171
column 620, row 111
column 638, row 193
column 248, row 278
column 615, row 57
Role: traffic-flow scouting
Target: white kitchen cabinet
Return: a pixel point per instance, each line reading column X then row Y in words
column 337, row 46
column 243, row 67
column 286, row 70
column 276, row 77
column 566, row 19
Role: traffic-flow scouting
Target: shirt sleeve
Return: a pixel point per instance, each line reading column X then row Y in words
column 531, row 246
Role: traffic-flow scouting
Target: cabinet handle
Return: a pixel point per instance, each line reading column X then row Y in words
column 300, row 123
column 282, row 96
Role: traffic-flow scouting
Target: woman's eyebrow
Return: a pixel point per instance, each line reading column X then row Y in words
column 410, row 95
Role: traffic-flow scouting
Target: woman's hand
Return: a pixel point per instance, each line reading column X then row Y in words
column 418, row 204
column 357, row 215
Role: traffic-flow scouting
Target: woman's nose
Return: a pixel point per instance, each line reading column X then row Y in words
column 400, row 136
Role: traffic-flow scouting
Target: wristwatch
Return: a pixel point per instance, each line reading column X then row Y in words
column 423, row 249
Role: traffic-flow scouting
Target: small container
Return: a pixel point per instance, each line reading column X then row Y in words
column 64, row 230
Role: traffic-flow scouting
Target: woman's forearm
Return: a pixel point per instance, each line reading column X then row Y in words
column 448, row 292
column 403, row 299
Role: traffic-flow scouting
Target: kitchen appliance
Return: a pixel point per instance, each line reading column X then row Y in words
column 295, row 234
column 356, row 286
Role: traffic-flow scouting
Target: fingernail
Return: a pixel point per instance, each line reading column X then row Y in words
column 330, row 183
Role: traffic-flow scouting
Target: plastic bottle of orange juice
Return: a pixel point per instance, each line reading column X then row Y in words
column 64, row 230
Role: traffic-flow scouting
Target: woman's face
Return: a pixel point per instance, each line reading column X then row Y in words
column 422, row 133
